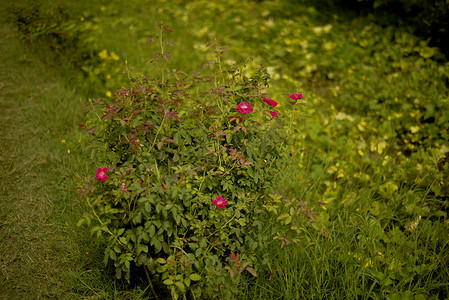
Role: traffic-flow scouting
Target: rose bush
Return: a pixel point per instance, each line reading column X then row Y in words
column 193, row 165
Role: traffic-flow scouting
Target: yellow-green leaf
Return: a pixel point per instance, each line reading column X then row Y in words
column 195, row 277
column 187, row 281
column 168, row 282
column 283, row 216
column 160, row 260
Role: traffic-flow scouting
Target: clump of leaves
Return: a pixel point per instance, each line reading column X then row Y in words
column 188, row 166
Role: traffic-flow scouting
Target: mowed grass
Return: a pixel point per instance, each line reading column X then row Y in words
column 43, row 255
column 346, row 254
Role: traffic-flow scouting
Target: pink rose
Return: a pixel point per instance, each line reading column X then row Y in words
column 220, row 202
column 274, row 114
column 295, row 96
column 101, row 174
column 244, row 108
column 270, row 101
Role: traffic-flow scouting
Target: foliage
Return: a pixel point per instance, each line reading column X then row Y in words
column 428, row 18
column 193, row 163
column 64, row 41
column 373, row 145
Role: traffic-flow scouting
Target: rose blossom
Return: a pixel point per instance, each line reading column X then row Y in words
column 295, row 96
column 101, row 174
column 270, row 101
column 220, row 202
column 244, row 108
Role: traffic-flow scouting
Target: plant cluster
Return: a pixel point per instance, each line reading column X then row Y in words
column 188, row 170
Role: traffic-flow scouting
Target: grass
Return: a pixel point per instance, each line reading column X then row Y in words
column 385, row 231
column 43, row 254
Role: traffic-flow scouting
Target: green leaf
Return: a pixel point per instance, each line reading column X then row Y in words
column 168, row 282
column 187, row 281
column 180, row 285
column 80, row 222
column 161, row 260
column 152, row 231
column 195, row 277
column 157, row 245
column 203, row 243
column 283, row 216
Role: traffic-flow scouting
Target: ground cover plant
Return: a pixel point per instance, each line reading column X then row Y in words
column 370, row 147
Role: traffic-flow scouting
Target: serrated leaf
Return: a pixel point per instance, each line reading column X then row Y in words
column 283, row 216
column 187, row 282
column 152, row 230
column 157, row 245
column 168, row 282
column 195, row 277
column 161, row 260
column 180, row 285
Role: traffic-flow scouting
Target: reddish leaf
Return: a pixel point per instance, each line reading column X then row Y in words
column 151, row 40
column 167, row 58
column 252, row 271
column 172, row 115
column 167, row 140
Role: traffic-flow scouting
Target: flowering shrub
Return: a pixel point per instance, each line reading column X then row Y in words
column 193, row 163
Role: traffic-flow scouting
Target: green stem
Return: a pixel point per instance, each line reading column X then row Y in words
column 157, row 134
column 151, row 284
column 233, row 217
column 95, row 110
column 102, row 224
column 162, row 51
